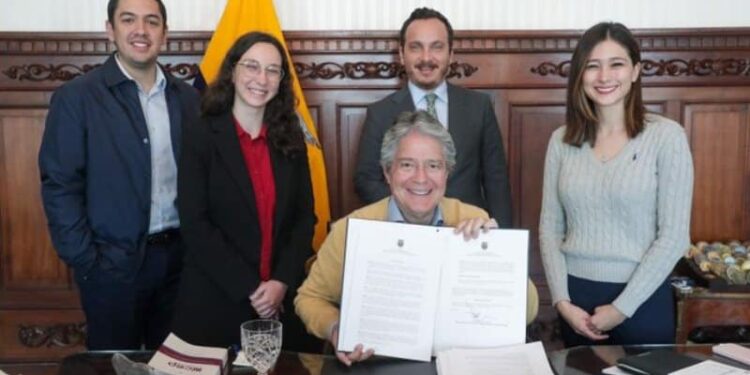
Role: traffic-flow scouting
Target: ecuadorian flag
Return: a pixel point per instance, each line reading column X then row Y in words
column 239, row 18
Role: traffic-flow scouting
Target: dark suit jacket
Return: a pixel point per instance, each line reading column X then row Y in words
column 480, row 176
column 95, row 163
column 221, row 231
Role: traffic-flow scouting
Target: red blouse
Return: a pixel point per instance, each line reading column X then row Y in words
column 258, row 162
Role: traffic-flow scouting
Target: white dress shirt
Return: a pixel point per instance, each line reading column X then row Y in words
column 441, row 104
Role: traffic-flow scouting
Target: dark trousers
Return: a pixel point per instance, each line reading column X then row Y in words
column 652, row 323
column 127, row 314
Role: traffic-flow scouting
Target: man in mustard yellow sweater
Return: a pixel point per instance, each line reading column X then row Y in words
column 417, row 155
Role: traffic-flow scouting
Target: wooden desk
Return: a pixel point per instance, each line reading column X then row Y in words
column 575, row 361
column 704, row 308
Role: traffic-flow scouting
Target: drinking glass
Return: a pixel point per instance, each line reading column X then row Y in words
column 261, row 343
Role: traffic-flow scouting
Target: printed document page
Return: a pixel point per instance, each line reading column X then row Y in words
column 390, row 288
column 713, row 368
column 483, row 291
column 524, row 359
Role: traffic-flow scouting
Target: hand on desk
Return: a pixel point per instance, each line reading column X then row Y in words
column 580, row 321
column 358, row 355
column 470, row 228
column 607, row 317
column 267, row 298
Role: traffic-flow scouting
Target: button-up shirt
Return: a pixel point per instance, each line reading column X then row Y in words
column 395, row 215
column 163, row 166
column 258, row 163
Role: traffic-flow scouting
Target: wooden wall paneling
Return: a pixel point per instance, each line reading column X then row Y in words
column 340, row 128
column 32, row 335
column 29, row 259
column 531, row 125
column 720, row 137
column 350, row 118
column 530, row 122
column 700, row 78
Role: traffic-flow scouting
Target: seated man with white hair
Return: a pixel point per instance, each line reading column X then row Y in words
column 417, row 155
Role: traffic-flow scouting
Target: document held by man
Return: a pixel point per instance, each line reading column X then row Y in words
column 409, row 290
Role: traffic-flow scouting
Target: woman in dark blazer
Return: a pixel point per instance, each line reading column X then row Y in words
column 245, row 201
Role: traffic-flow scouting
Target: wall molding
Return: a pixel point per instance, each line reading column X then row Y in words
column 369, row 59
column 57, row 335
column 343, row 42
column 672, row 68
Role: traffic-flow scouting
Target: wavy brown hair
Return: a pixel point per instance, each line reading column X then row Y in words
column 580, row 115
column 284, row 131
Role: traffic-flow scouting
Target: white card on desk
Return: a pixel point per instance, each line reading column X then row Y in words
column 711, row 367
column 614, row 370
column 733, row 351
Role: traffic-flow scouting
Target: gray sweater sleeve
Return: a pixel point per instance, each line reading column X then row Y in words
column 674, row 200
column 552, row 222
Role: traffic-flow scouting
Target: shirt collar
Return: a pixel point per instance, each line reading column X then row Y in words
column 395, row 215
column 417, row 93
column 242, row 133
column 159, row 84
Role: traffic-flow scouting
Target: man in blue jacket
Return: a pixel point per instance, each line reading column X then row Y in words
column 108, row 169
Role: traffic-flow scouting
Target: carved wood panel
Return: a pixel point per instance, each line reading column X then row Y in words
column 720, row 139
column 40, row 334
column 29, row 260
column 531, row 126
column 350, row 121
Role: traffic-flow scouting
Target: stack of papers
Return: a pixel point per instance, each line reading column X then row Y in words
column 525, row 359
column 733, row 351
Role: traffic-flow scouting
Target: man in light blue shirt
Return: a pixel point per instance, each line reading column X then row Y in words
column 108, row 168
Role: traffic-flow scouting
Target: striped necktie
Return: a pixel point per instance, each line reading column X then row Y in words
column 430, row 99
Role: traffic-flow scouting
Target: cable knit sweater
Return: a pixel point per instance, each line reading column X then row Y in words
column 626, row 220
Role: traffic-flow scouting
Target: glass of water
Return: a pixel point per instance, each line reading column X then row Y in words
column 261, row 343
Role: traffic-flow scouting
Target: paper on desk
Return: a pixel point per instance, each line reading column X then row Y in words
column 524, row 359
column 241, row 360
column 614, row 370
column 711, row 367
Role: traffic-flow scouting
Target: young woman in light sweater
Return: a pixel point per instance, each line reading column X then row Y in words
column 617, row 193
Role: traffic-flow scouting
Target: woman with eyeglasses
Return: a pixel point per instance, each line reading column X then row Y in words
column 245, row 201
column 617, row 193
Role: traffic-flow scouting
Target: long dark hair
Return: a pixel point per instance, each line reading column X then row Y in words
column 580, row 116
column 284, row 131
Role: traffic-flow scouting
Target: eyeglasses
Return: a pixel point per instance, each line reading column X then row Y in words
column 411, row 166
column 254, row 68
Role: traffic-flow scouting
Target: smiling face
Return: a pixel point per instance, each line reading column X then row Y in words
column 138, row 30
column 609, row 74
column 257, row 75
column 426, row 53
column 417, row 176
